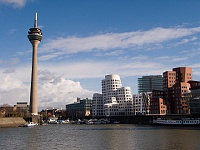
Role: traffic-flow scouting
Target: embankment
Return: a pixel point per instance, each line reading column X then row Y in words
column 9, row 122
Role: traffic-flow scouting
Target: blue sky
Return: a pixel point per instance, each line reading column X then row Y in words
column 85, row 40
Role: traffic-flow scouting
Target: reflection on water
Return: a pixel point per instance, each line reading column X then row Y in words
column 99, row 137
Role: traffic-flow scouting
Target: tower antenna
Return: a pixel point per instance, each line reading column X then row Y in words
column 35, row 21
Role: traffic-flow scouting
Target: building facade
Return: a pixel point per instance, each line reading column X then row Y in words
column 193, row 97
column 97, row 105
column 158, row 104
column 175, row 85
column 22, row 106
column 138, row 104
column 150, row 83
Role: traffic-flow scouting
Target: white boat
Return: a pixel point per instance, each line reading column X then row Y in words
column 31, row 124
column 177, row 122
column 52, row 121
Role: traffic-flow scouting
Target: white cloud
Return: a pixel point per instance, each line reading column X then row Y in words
column 114, row 53
column 13, row 90
column 186, row 40
column 172, row 59
column 95, row 69
column 53, row 91
column 78, row 70
column 104, row 42
column 15, row 3
column 9, row 83
column 58, row 91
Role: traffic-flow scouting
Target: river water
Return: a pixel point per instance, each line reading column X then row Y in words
column 99, row 137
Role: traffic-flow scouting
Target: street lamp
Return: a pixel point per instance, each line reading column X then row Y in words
column 46, row 115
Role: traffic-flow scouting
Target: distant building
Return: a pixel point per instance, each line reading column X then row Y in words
column 193, row 97
column 22, row 106
column 158, row 104
column 6, row 111
column 168, row 98
column 150, row 83
column 175, row 85
column 115, row 100
column 109, row 87
column 125, row 100
column 138, row 104
column 112, row 109
column 21, row 109
column 97, row 105
column 81, row 108
column 142, row 103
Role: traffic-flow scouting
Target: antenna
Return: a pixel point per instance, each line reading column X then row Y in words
column 35, row 21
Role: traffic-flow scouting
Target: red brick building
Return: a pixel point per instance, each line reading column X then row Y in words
column 171, row 100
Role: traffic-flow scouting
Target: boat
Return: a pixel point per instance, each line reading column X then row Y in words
column 31, row 124
column 96, row 121
column 79, row 121
column 176, row 122
column 52, row 121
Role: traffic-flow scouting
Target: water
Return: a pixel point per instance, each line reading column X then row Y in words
column 99, row 137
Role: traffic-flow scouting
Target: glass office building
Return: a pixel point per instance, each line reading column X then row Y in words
column 150, row 83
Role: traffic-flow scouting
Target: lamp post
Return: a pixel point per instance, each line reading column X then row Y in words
column 46, row 114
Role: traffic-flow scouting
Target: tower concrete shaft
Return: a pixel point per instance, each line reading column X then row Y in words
column 34, row 36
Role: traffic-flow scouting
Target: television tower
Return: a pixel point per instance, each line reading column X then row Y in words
column 34, row 36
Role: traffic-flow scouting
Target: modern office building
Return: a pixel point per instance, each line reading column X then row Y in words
column 193, row 97
column 194, row 101
column 150, row 83
column 34, row 36
column 81, row 108
column 115, row 100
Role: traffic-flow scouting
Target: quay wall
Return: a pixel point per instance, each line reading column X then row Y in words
column 146, row 119
column 142, row 119
column 8, row 122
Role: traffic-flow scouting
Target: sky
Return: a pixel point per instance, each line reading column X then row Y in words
column 85, row 40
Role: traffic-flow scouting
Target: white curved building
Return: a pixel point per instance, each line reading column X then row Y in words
column 115, row 100
column 109, row 87
column 125, row 100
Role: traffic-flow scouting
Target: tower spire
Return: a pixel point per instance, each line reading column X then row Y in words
column 35, row 21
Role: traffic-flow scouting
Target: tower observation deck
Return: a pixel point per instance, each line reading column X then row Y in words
column 35, row 33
